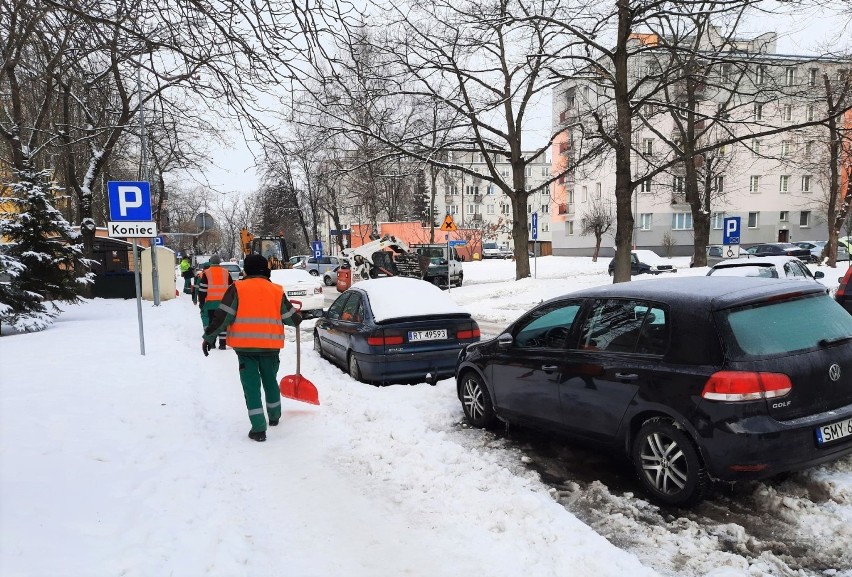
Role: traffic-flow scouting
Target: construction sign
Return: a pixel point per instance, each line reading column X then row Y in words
column 449, row 224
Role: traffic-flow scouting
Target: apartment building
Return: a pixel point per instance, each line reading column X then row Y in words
column 775, row 183
column 475, row 203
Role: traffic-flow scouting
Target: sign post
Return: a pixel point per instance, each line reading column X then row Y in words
column 130, row 215
column 535, row 242
column 447, row 226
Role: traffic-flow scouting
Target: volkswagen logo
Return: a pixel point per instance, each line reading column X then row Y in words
column 834, row 372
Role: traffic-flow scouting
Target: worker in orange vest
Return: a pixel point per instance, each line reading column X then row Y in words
column 214, row 282
column 254, row 311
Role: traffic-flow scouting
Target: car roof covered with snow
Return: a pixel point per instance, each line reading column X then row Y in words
column 398, row 297
column 292, row 275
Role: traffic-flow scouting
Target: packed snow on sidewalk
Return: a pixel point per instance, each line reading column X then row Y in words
column 114, row 463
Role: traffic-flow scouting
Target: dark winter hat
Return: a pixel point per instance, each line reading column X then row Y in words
column 215, row 259
column 255, row 265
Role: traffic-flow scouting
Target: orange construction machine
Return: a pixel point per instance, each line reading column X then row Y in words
column 273, row 248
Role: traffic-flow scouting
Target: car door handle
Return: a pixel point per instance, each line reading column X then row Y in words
column 626, row 376
column 549, row 368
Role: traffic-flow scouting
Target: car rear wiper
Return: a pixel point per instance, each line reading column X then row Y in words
column 826, row 342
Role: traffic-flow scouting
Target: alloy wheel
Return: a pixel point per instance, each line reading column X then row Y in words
column 664, row 464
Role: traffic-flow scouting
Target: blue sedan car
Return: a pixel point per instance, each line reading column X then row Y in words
column 395, row 330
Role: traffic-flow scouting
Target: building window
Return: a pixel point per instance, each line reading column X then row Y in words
column 720, row 183
column 805, row 218
column 597, row 190
column 529, row 209
column 809, row 113
column 490, row 209
column 528, row 171
column 758, row 111
column 782, row 216
column 721, row 111
column 648, row 146
column 784, row 183
column 786, row 147
column 678, row 184
column 645, row 186
column 645, row 220
column 545, row 171
column 754, row 184
column 681, row 221
column 570, row 196
column 812, row 77
column 806, row 183
column 585, row 193
column 809, row 148
column 760, row 74
column 569, row 227
column 723, row 150
column 755, row 147
column 718, row 220
column 650, row 110
column 453, row 209
column 789, row 76
column 504, row 173
column 787, row 114
column 752, row 219
column 545, row 208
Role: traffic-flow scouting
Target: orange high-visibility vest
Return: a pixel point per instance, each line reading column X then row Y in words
column 217, row 282
column 258, row 323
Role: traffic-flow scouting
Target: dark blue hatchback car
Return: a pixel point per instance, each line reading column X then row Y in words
column 395, row 330
column 695, row 379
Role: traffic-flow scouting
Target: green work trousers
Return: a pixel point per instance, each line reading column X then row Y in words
column 207, row 311
column 256, row 370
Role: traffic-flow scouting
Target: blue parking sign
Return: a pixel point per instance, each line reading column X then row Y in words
column 731, row 230
column 316, row 247
column 129, row 201
column 535, row 226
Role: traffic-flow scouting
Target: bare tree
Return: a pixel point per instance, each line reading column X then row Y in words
column 597, row 220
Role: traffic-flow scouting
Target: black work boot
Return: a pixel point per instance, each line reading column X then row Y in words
column 222, row 344
column 274, row 422
column 259, row 436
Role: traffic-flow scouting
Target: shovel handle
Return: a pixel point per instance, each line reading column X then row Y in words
column 298, row 351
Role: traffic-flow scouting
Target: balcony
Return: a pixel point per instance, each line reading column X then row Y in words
column 477, row 198
column 678, row 198
column 448, row 199
column 476, row 217
column 563, row 208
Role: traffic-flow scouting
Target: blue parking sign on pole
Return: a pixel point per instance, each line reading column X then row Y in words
column 535, row 226
column 316, row 247
column 129, row 201
column 731, row 230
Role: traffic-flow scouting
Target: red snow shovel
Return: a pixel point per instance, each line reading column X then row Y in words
column 296, row 386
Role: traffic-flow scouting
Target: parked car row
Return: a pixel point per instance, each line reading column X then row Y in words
column 695, row 380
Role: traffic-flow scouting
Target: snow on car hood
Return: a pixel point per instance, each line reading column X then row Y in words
column 396, row 297
column 288, row 277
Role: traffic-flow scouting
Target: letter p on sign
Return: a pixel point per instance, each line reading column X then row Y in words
column 129, row 201
column 128, row 197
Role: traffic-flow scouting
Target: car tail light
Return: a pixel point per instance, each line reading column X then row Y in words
column 745, row 386
column 318, row 290
column 382, row 340
column 468, row 334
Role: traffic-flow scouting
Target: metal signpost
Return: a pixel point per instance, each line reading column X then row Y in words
column 731, row 235
column 130, row 216
column 447, row 226
column 535, row 242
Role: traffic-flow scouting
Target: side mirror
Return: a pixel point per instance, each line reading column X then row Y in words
column 819, row 274
column 505, row 341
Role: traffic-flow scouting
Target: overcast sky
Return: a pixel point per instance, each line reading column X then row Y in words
column 803, row 34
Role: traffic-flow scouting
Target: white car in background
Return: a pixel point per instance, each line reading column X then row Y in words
column 783, row 267
column 301, row 286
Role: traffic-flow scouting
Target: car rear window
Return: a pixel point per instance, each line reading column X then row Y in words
column 777, row 327
column 764, row 271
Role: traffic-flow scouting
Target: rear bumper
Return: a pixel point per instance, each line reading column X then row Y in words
column 407, row 367
column 765, row 447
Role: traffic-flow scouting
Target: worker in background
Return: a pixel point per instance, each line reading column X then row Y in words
column 187, row 273
column 196, row 283
column 254, row 311
column 214, row 282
